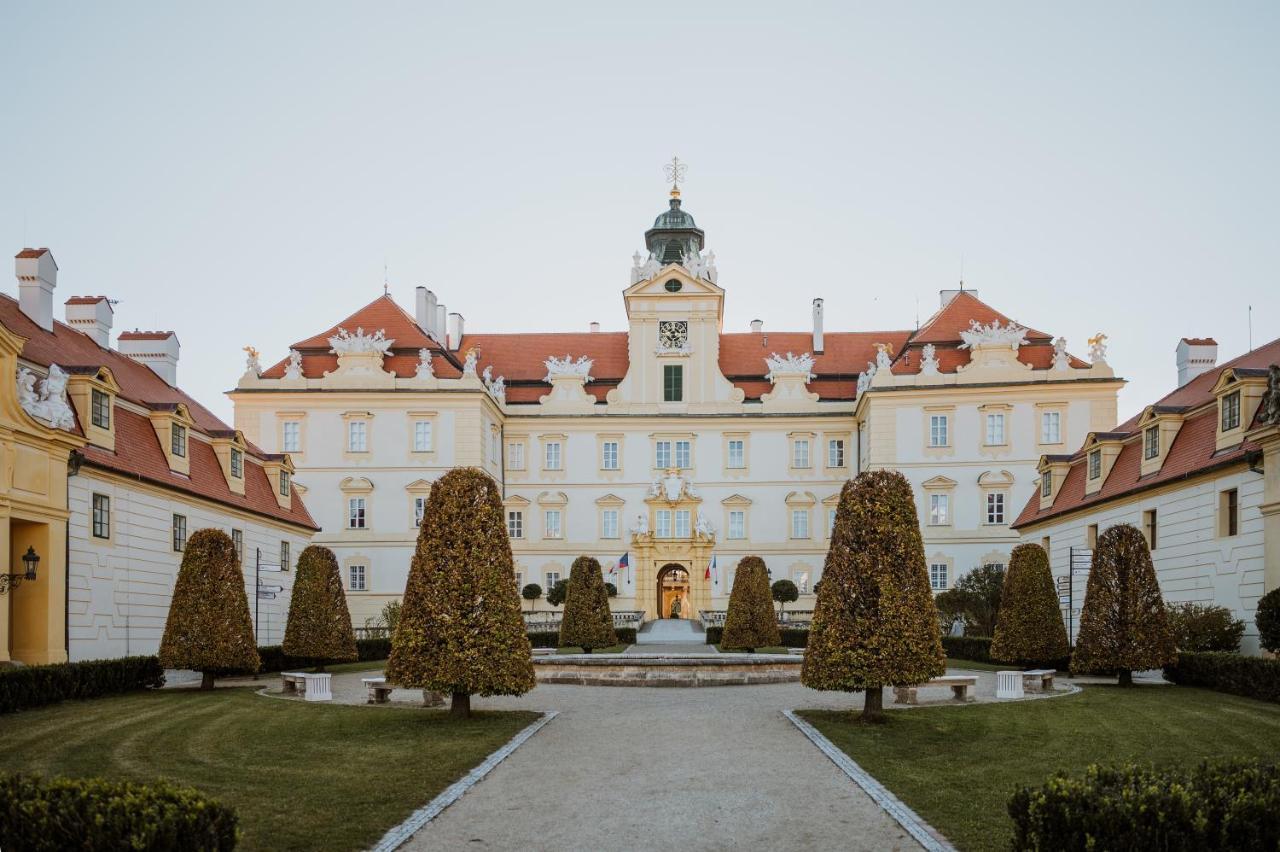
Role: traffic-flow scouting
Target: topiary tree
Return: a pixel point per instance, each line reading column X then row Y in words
column 460, row 628
column 875, row 624
column 1030, row 628
column 319, row 626
column 531, row 593
column 556, row 594
column 1123, row 626
column 750, row 622
column 1267, row 618
column 1201, row 627
column 784, row 592
column 209, row 629
column 611, row 589
column 587, row 622
column 975, row 599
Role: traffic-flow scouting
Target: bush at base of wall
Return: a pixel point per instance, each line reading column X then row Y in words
column 1225, row 806
column 94, row 814
column 551, row 638
column 791, row 637
column 274, row 658
column 1252, row 677
column 35, row 686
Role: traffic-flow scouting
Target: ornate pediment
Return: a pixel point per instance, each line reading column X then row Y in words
column 672, row 488
column 46, row 399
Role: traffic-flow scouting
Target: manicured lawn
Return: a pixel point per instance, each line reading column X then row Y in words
column 975, row 666
column 958, row 766
column 300, row 776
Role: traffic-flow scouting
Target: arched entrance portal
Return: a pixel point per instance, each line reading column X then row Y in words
column 673, row 586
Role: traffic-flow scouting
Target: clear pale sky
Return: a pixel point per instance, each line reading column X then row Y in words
column 241, row 173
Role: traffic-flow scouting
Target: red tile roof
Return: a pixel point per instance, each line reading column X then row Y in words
column 87, row 300
column 382, row 313
column 31, row 252
column 146, row 335
column 1192, row 453
column 1200, row 341
column 137, row 448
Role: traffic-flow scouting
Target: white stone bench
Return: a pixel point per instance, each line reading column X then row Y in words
column 1038, row 680
column 380, row 692
column 316, row 686
column 961, row 688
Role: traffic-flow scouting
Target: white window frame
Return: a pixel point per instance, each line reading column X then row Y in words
column 552, row 456
column 291, row 436
column 995, row 507
column 800, row 453
column 740, row 446
column 357, row 513
column 995, row 429
column 515, row 523
column 357, row 578
column 939, row 430
column 835, row 452
column 663, row 523
column 357, row 436
column 683, row 523
column 938, row 578
column 800, row 523
column 515, row 455
column 552, row 524
column 609, row 455
column 609, row 525
column 939, row 510
column 419, row 510
column 1051, row 427
column 737, row 524
column 423, row 436
column 683, row 454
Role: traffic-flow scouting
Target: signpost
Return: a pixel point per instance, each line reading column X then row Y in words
column 1080, row 559
column 264, row 593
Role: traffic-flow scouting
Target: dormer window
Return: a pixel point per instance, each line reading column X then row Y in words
column 1095, row 464
column 100, row 409
column 284, row 483
column 1046, row 484
column 1151, row 442
column 1230, row 407
column 237, row 463
column 178, row 440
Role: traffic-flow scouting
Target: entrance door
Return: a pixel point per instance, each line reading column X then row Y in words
column 673, row 587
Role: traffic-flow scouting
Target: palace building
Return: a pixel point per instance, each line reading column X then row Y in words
column 670, row 450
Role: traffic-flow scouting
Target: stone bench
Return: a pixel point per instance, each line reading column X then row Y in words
column 380, row 692
column 544, row 652
column 1038, row 680
column 962, row 687
column 313, row 686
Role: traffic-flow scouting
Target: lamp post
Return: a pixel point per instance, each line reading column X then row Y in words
column 30, row 560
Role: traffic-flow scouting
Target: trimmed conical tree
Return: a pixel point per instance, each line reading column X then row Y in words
column 209, row 629
column 1029, row 628
column 875, row 624
column 460, row 629
column 750, row 622
column 1123, row 627
column 587, row 621
column 319, row 626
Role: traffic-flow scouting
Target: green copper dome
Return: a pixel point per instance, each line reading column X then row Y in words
column 674, row 234
column 675, row 218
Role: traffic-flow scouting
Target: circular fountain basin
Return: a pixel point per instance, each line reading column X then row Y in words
column 675, row 670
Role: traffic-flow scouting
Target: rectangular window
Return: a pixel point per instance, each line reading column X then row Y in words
column 672, row 383
column 284, row 556
column 1151, row 442
column 101, row 410
column 1091, row 536
column 237, row 541
column 995, row 430
column 355, row 513
column 1051, row 427
column 938, row 430
column 801, row 579
column 179, row 532
column 662, row 455
column 1046, row 484
column 1231, row 411
column 519, row 580
column 551, row 577
column 938, row 576
column 1095, row 464
column 101, row 516
column 995, row 507
column 419, row 510
column 800, row 453
column 494, row 443
column 939, row 506
column 358, row 436
column 683, row 523
column 835, row 452
column 292, row 437
column 737, row 453
column 284, row 483
column 356, row 582
column 552, row 518
column 831, row 522
column 552, row 456
column 737, row 524
column 609, row 455
column 178, row 440
column 609, row 523
column 422, row 436
column 515, row 524
column 1231, row 509
column 515, row 456
column 799, row 523
column 1149, row 527
column 237, row 463
column 663, row 517
column 682, row 454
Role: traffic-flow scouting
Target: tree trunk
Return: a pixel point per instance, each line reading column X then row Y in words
column 460, row 705
column 206, row 680
column 320, row 668
column 586, row 650
column 1126, row 677
column 873, row 706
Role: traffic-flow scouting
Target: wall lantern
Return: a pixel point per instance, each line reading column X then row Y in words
column 30, row 560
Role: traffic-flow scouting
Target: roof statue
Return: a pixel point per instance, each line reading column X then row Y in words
column 566, row 366
column 1098, row 348
column 1061, row 360
column 346, row 343
column 251, row 363
column 1012, row 335
column 294, row 370
column 424, row 370
column 929, row 360
column 884, row 356
column 469, row 362
column 865, row 377
column 50, row 403
column 790, row 365
column 1270, row 406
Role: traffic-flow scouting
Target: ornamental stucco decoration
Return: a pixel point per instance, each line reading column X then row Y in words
column 469, row 362
column 49, row 403
column 672, row 486
column 251, row 364
column 566, row 366
column 1061, row 360
column 346, row 343
column 884, row 356
column 424, row 370
column 700, row 266
column 1271, row 398
column 865, row 377
column 994, row 334
column 497, row 388
column 929, row 360
column 641, row 526
column 1098, row 348
column 789, row 365
column 294, row 369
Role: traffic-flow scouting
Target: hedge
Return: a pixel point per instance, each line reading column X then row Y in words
column 274, row 658
column 35, row 686
column 1232, row 805
column 551, row 638
column 1222, row 671
column 95, row 814
column 977, row 649
column 791, row 637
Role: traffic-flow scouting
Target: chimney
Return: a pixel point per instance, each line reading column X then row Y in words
column 156, row 349
column 37, row 277
column 442, row 323
column 426, row 312
column 945, row 296
column 93, row 316
column 817, row 326
column 457, row 326
column 1195, row 355
column 595, row 327
column 757, row 326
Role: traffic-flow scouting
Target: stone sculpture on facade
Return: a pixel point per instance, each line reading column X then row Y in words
column 1012, row 335
column 252, row 367
column 346, row 343
column 865, row 377
column 294, row 368
column 1061, row 360
column 1098, row 348
column 469, row 362
column 789, row 365
column 497, row 387
column 50, row 402
column 641, row 526
column 1270, row 405
column 566, row 366
column 424, row 370
column 884, row 356
column 704, row 527
column 929, row 360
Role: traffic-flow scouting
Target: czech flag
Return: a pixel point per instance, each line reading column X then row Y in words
column 623, row 563
column 707, row 576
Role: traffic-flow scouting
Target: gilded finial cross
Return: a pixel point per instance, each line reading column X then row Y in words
column 675, row 171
